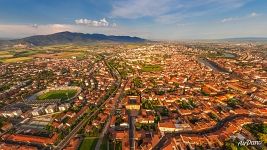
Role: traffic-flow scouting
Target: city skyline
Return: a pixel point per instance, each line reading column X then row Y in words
column 161, row 20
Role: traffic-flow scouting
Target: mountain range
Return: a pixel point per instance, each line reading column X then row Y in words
column 70, row 37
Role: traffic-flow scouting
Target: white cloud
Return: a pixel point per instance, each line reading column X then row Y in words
column 233, row 19
column 132, row 9
column 171, row 11
column 254, row 14
column 95, row 23
column 228, row 19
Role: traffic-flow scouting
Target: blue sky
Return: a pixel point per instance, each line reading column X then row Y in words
column 152, row 19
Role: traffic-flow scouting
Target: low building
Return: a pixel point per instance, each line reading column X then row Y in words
column 51, row 109
column 133, row 102
column 169, row 126
column 7, row 126
column 64, row 107
column 38, row 111
column 12, row 113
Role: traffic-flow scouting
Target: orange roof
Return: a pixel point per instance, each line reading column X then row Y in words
column 167, row 124
column 74, row 144
column 4, row 146
column 120, row 135
column 31, row 139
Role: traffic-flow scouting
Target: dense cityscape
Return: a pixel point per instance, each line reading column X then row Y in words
column 152, row 95
column 133, row 74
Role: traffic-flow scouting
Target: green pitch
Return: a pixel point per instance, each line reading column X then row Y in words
column 57, row 94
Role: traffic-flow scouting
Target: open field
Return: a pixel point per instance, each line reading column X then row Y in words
column 151, row 68
column 13, row 56
column 88, row 143
column 5, row 54
column 69, row 54
column 22, row 55
column 17, row 59
column 57, row 94
column 60, row 55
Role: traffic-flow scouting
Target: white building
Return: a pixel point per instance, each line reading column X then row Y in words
column 12, row 113
column 38, row 111
column 64, row 107
column 51, row 108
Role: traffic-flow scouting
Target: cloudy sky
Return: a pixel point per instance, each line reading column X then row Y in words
column 152, row 19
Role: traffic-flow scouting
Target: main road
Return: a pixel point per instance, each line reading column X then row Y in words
column 104, row 130
column 82, row 123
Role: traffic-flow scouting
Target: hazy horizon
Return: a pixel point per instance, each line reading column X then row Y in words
column 200, row 39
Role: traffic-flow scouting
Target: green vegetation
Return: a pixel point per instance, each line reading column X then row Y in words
column 213, row 116
column 119, row 120
column 138, row 82
column 149, row 104
column 88, row 143
column 57, row 94
column 133, row 92
column 2, row 120
column 190, row 104
column 194, row 120
column 204, row 93
column 146, row 127
column 259, row 130
column 167, row 56
column 119, row 146
column 45, row 74
column 123, row 68
column 233, row 102
column 233, row 145
column 176, row 84
column 76, row 83
column 105, row 143
column 164, row 112
column 5, row 54
column 17, row 59
column 94, row 132
column 151, row 68
column 158, row 92
column 25, row 53
column 4, row 87
column 2, row 104
column 115, row 145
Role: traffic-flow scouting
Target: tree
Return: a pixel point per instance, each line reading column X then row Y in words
column 233, row 102
column 138, row 82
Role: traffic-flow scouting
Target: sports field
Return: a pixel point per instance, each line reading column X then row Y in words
column 57, row 94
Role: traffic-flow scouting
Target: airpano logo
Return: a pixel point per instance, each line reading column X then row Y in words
column 249, row 143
